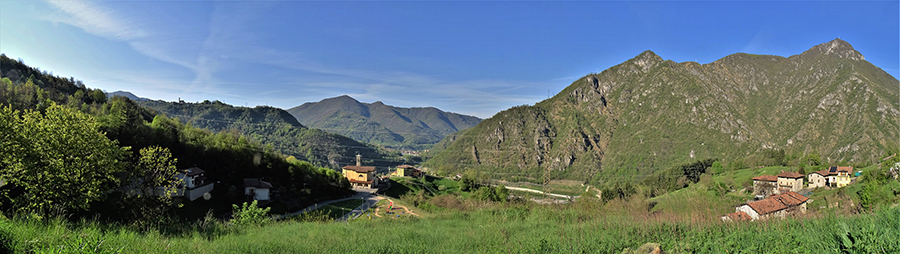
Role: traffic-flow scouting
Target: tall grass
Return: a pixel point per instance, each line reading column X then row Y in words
column 582, row 226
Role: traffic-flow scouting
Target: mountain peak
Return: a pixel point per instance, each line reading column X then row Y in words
column 648, row 54
column 836, row 47
column 647, row 59
column 342, row 99
column 126, row 94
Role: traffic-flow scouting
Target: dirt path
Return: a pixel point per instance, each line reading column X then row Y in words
column 404, row 208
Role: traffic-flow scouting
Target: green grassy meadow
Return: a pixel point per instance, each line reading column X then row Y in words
column 681, row 221
column 579, row 227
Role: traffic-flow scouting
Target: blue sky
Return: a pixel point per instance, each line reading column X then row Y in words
column 475, row 58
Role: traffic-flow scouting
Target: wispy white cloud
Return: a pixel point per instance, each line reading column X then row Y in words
column 96, row 19
column 199, row 48
column 482, row 98
column 227, row 42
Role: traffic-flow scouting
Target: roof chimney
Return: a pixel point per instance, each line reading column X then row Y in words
column 358, row 160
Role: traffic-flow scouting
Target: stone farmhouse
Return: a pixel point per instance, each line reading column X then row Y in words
column 767, row 185
column 790, row 181
column 777, row 206
column 764, row 185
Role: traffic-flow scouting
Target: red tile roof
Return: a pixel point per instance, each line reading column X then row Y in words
column 360, row 169
column 766, row 178
column 791, row 198
column 790, row 175
column 844, row 169
column 406, row 166
column 777, row 202
column 739, row 216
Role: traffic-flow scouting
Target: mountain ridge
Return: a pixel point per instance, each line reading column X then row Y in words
column 126, row 94
column 412, row 128
column 278, row 128
column 647, row 113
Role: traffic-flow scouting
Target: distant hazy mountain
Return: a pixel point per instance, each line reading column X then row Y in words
column 277, row 128
column 647, row 114
column 126, row 94
column 407, row 128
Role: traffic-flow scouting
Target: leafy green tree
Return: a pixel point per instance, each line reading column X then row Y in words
column 486, row 193
column 694, row 170
column 471, row 180
column 57, row 159
column 152, row 185
column 98, row 96
column 502, row 193
column 813, row 159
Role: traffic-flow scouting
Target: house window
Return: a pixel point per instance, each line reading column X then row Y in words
column 360, row 176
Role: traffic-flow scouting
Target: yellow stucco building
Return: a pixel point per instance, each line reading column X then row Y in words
column 362, row 176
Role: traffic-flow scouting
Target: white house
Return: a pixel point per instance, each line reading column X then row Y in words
column 256, row 189
column 194, row 183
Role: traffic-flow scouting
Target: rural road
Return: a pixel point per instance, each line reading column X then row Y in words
column 360, row 194
column 541, row 192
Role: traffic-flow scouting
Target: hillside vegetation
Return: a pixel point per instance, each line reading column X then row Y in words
column 377, row 123
column 577, row 228
column 276, row 128
column 65, row 148
column 648, row 114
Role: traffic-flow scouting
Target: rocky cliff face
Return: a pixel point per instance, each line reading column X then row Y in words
column 648, row 113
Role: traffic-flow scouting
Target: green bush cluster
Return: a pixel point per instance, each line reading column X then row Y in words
column 249, row 214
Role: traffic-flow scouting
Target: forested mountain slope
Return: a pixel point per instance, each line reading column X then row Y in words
column 377, row 123
column 276, row 127
column 67, row 148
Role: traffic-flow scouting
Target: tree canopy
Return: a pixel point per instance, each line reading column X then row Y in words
column 56, row 159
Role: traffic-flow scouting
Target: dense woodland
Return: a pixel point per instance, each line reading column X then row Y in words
column 277, row 128
column 68, row 149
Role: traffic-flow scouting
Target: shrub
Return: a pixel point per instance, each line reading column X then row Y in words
column 249, row 214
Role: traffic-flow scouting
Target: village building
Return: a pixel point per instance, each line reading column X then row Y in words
column 193, row 184
column 256, row 189
column 843, row 176
column 407, row 171
column 790, row 181
column 764, row 185
column 818, row 179
column 835, row 177
column 362, row 176
column 777, row 206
